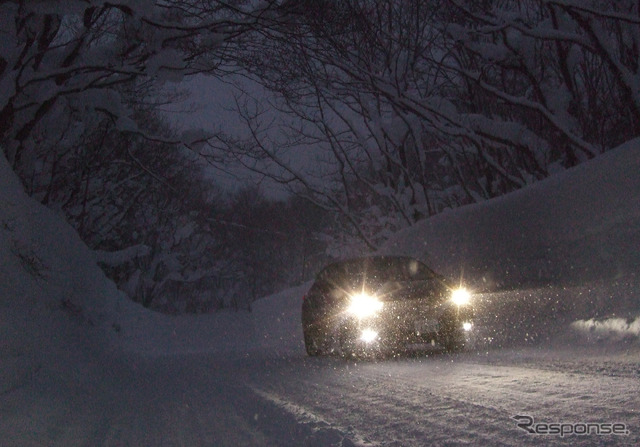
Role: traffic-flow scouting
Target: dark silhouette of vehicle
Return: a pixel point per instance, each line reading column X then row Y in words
column 383, row 304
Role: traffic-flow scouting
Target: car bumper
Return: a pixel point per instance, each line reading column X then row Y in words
column 401, row 332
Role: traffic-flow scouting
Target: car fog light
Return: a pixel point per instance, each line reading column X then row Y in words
column 368, row 335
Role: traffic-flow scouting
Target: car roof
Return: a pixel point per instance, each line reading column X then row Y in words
column 374, row 261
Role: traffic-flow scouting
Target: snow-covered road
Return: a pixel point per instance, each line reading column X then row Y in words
column 463, row 399
column 256, row 399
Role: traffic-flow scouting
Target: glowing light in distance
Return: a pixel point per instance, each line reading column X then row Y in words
column 467, row 326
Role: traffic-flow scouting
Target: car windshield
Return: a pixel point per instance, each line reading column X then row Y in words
column 378, row 269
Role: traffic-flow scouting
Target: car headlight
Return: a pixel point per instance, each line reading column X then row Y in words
column 363, row 305
column 460, row 296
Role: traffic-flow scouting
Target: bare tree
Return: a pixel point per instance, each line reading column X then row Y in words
column 61, row 62
column 327, row 68
column 411, row 107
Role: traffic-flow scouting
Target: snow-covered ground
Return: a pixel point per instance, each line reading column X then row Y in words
column 555, row 268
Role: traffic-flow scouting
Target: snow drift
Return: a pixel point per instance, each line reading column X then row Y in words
column 561, row 253
column 47, row 286
column 577, row 226
column 57, row 307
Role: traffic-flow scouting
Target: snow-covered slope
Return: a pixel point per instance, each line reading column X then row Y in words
column 562, row 254
column 54, row 297
column 580, row 225
column 278, row 320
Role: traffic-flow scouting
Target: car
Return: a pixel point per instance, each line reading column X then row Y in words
column 384, row 304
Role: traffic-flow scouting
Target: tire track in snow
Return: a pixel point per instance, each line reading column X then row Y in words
column 322, row 432
column 395, row 416
column 448, row 401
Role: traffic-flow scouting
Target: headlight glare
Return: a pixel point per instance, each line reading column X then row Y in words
column 363, row 305
column 460, row 296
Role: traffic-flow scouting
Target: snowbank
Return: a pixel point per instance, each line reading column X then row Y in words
column 278, row 320
column 562, row 253
column 44, row 266
column 150, row 333
column 55, row 301
column 577, row 226
column 609, row 327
